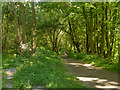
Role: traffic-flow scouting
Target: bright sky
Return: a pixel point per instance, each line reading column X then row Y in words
column 61, row 0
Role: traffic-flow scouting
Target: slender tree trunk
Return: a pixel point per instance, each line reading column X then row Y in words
column 107, row 32
column 99, row 35
column 84, row 45
column 91, row 41
column 111, row 36
column 21, row 7
column 96, row 30
column 19, row 39
column 103, row 33
column 33, row 29
column 54, row 44
column 119, row 45
column 85, row 16
column 72, row 37
column 87, row 44
column 114, row 46
column 114, row 39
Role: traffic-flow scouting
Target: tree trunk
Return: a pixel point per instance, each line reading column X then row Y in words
column 19, row 39
column 95, row 31
column 72, row 37
column 91, row 41
column 107, row 32
column 114, row 24
column 103, row 33
column 21, row 7
column 33, row 29
column 85, row 16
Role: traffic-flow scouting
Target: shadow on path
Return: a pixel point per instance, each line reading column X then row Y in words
column 91, row 76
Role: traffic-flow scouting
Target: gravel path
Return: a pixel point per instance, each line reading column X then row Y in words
column 91, row 76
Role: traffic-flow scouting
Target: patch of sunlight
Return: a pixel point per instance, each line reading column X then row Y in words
column 114, row 82
column 108, row 86
column 50, row 84
column 106, row 83
column 9, row 77
column 76, row 64
column 9, row 72
column 6, row 64
column 48, row 58
column 102, row 80
column 15, row 55
column 87, row 65
column 87, row 78
column 31, row 63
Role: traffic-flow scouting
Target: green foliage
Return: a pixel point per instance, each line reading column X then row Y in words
column 44, row 68
column 86, row 27
column 4, row 83
column 8, row 60
column 13, row 60
column 96, row 60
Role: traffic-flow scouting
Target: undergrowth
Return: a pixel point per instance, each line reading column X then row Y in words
column 8, row 61
column 43, row 68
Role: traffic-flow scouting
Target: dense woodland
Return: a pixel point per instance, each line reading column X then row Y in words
column 63, row 27
column 80, row 27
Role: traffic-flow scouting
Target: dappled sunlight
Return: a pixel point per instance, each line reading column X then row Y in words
column 108, row 86
column 115, row 83
column 75, row 63
column 88, row 66
column 9, row 77
column 10, row 73
column 93, row 77
column 100, row 83
column 102, row 80
column 87, row 78
column 48, row 58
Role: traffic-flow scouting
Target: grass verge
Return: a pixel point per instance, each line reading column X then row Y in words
column 43, row 68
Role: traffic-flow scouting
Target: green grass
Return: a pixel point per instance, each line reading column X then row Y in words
column 43, row 68
column 9, row 61
column 96, row 60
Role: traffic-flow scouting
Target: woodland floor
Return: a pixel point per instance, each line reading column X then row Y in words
column 91, row 76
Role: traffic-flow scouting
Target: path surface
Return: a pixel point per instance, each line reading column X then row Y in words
column 9, row 77
column 91, row 76
column 10, row 73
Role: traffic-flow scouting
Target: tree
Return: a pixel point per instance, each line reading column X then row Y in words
column 20, row 41
column 33, row 29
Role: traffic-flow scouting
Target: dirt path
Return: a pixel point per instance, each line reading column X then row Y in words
column 9, row 81
column 91, row 76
